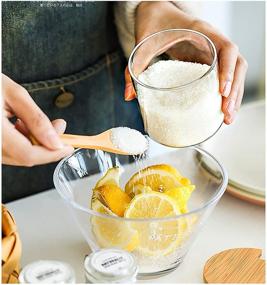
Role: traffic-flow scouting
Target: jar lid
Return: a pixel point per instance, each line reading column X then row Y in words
column 47, row 271
column 113, row 265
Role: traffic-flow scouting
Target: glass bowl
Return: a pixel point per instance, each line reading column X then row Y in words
column 180, row 104
column 169, row 238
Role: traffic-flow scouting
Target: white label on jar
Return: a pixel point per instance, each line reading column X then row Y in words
column 112, row 261
column 46, row 271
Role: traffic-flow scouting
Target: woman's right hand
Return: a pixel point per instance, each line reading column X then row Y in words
column 17, row 149
column 155, row 16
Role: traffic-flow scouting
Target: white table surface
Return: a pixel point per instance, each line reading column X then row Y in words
column 47, row 231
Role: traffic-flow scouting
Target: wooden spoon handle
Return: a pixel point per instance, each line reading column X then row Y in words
column 80, row 141
column 73, row 140
column 101, row 142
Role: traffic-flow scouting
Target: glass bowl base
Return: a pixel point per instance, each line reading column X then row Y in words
column 158, row 274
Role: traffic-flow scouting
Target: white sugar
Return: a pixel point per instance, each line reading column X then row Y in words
column 129, row 140
column 180, row 117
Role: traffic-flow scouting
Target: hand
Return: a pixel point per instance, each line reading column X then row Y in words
column 232, row 66
column 16, row 146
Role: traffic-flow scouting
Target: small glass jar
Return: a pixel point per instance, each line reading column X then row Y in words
column 47, row 271
column 110, row 266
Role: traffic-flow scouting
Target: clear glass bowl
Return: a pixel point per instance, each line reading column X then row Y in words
column 180, row 107
column 76, row 176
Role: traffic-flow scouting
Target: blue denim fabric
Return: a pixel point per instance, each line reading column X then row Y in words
column 86, row 61
column 45, row 40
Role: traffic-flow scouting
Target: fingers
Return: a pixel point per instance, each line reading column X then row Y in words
column 227, row 63
column 232, row 69
column 59, row 125
column 18, row 150
column 129, row 92
column 240, row 96
column 38, row 155
column 16, row 147
column 232, row 103
column 35, row 120
column 21, row 127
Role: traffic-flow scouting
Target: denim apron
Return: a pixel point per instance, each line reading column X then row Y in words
column 67, row 55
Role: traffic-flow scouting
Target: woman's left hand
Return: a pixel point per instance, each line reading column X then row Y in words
column 152, row 17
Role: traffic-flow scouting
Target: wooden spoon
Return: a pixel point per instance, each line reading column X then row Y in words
column 101, row 141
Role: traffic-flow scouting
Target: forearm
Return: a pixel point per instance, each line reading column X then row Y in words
column 126, row 12
column 177, row 18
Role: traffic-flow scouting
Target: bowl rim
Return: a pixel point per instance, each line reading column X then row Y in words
column 211, row 202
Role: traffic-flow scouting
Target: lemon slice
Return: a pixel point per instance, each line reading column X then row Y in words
column 181, row 195
column 155, row 237
column 158, row 177
column 101, row 208
column 112, row 176
column 188, row 226
column 139, row 189
column 113, row 197
column 113, row 232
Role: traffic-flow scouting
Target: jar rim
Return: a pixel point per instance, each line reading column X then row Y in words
column 94, row 268
column 46, row 270
column 212, row 66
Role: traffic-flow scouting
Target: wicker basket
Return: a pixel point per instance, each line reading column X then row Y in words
column 11, row 248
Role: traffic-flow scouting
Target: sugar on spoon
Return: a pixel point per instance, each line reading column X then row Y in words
column 119, row 140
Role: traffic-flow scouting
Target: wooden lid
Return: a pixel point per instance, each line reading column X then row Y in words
column 238, row 265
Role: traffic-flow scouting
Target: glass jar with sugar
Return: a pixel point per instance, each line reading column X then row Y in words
column 175, row 77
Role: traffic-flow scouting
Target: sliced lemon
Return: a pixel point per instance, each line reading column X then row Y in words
column 101, row 208
column 155, row 237
column 113, row 197
column 188, row 225
column 139, row 189
column 158, row 177
column 113, row 232
column 181, row 195
column 112, row 176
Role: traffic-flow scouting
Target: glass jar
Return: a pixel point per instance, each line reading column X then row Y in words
column 47, row 271
column 110, row 266
column 175, row 78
